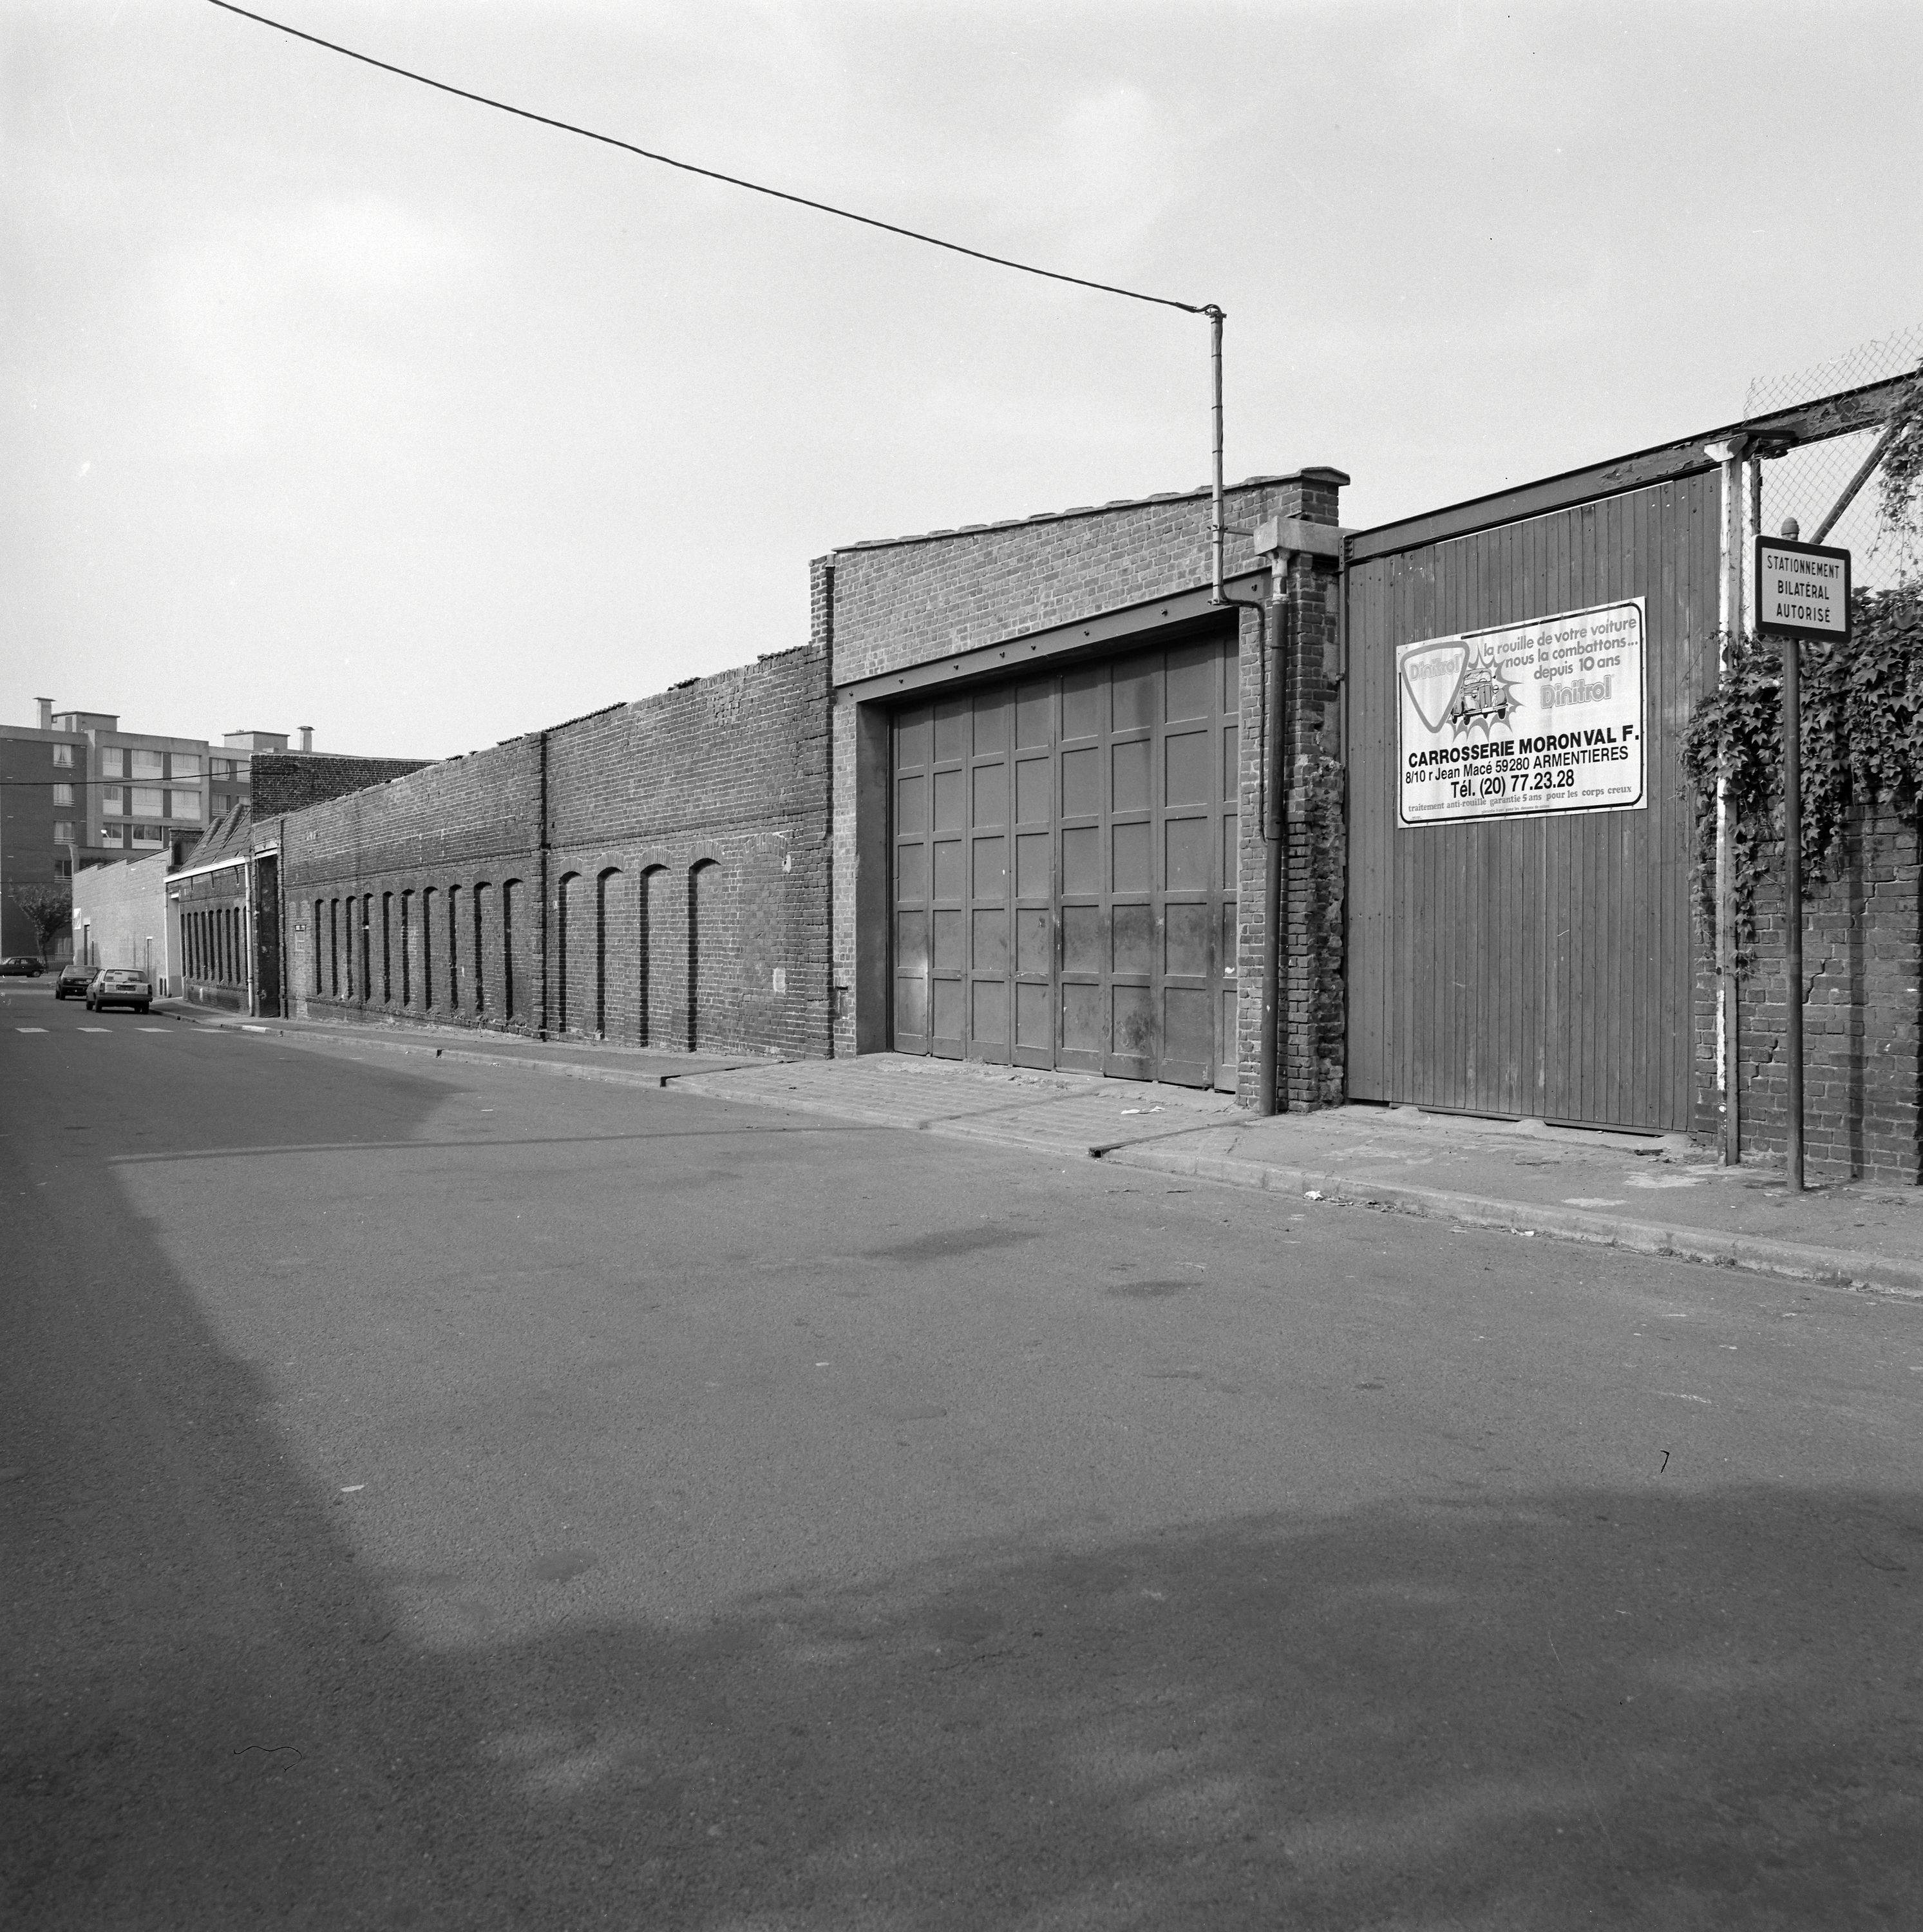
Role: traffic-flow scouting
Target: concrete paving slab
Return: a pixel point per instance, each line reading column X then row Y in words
column 1067, row 1113
column 1653, row 1195
column 570, row 1060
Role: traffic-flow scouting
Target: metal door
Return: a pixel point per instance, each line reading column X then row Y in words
column 1531, row 966
column 1063, row 862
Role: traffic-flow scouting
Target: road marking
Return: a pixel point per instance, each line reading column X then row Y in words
column 30, row 1029
column 153, row 1029
column 93, row 1029
column 246, row 1028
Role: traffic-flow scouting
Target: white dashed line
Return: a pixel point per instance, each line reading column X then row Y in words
column 30, row 1029
column 153, row 1029
column 93, row 1029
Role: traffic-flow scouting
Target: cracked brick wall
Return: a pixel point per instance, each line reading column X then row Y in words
column 1862, row 1041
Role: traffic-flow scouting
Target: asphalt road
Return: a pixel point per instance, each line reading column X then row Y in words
column 448, row 1498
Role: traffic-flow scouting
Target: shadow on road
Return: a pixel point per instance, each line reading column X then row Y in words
column 1591, row 1707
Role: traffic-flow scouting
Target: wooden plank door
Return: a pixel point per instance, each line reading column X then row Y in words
column 1540, row 965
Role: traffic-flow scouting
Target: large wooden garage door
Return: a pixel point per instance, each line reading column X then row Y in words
column 1532, row 965
column 1064, row 855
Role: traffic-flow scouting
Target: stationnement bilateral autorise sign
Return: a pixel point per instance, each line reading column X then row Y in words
column 1525, row 719
column 1802, row 590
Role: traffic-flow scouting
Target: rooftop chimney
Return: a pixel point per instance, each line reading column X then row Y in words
column 46, row 713
column 307, row 737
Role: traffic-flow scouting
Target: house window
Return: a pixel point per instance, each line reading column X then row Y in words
column 149, row 802
column 149, row 765
column 186, row 805
column 113, row 762
column 63, row 832
column 63, row 754
column 63, row 794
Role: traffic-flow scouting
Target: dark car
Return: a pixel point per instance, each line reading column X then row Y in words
column 120, row 986
column 21, row 966
column 73, row 979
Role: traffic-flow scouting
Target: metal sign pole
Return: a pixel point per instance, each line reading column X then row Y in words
column 1792, row 906
column 1802, row 590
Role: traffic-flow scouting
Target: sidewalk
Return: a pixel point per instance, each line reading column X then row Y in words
column 578, row 1060
column 1652, row 1194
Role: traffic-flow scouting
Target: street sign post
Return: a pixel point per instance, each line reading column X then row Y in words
column 1802, row 590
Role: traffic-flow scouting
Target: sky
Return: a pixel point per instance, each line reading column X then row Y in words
column 331, row 400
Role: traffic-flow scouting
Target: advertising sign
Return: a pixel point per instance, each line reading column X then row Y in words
column 1522, row 720
column 1802, row 590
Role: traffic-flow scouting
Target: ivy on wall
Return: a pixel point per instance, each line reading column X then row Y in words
column 1862, row 742
column 1899, row 478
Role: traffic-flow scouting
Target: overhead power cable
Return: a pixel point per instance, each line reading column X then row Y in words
column 709, row 174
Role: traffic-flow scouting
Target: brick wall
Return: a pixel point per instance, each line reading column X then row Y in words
column 909, row 601
column 1862, row 1042
column 655, row 874
column 212, row 931
column 882, row 607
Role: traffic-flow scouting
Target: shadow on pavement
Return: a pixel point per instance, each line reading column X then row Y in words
column 1575, row 1707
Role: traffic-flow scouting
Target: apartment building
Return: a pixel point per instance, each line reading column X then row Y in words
column 77, row 791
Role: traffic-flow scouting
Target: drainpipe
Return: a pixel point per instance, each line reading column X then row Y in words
column 1275, row 834
column 541, row 925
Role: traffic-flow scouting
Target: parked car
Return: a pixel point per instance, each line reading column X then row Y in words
column 22, row 965
column 120, row 986
column 74, row 979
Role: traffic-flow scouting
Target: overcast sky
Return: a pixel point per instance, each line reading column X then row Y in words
column 331, row 400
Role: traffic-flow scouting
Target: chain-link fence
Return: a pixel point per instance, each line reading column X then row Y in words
column 1806, row 482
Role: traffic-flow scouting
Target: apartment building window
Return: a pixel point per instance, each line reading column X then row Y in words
column 220, row 768
column 63, row 832
column 63, row 794
column 187, row 765
column 149, row 835
column 186, row 805
column 113, row 762
column 63, row 868
column 63, row 754
column 113, row 798
column 149, row 765
column 113, row 834
column 149, row 802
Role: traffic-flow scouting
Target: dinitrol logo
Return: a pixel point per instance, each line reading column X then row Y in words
column 1594, row 690
column 1431, row 675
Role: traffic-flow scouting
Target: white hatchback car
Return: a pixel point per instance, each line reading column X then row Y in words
column 120, row 986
